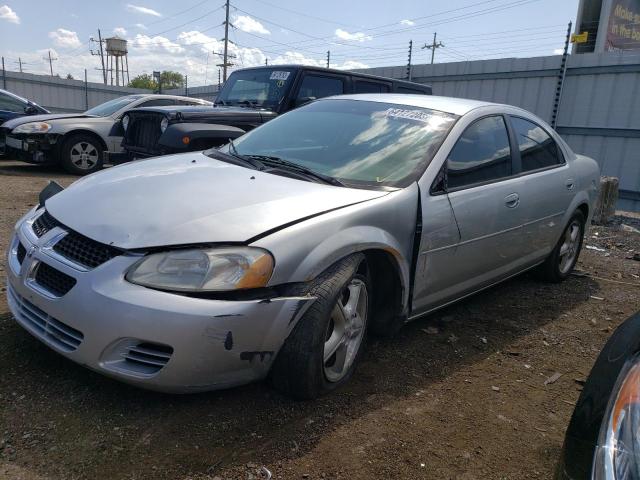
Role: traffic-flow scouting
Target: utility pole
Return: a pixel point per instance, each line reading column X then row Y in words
column 19, row 62
column 226, row 42
column 266, row 61
column 328, row 58
column 104, row 72
column 409, row 62
column 433, row 47
column 51, row 60
column 218, row 79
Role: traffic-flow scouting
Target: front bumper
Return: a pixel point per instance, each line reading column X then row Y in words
column 37, row 148
column 204, row 344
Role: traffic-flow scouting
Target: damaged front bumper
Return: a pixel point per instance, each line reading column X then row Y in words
column 35, row 148
column 152, row 339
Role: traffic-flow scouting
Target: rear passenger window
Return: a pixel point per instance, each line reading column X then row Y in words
column 317, row 87
column 482, row 154
column 370, row 87
column 159, row 102
column 537, row 148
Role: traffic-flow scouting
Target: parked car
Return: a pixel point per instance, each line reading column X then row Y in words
column 277, row 253
column 603, row 438
column 12, row 106
column 77, row 140
column 250, row 97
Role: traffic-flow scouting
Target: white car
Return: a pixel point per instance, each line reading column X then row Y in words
column 77, row 140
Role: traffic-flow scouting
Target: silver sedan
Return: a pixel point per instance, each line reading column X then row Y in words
column 277, row 254
column 77, row 140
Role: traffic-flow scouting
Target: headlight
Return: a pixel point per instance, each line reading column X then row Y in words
column 617, row 456
column 164, row 124
column 125, row 122
column 204, row 270
column 32, row 127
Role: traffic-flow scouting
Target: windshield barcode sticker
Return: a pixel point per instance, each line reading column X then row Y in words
column 418, row 115
column 279, row 75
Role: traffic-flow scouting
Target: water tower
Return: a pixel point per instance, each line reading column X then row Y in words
column 117, row 52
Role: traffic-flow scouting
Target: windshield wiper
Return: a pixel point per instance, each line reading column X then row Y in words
column 235, row 158
column 277, row 162
column 220, row 102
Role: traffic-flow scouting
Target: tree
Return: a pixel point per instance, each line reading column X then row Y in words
column 144, row 81
column 171, row 79
column 69, row 76
column 168, row 79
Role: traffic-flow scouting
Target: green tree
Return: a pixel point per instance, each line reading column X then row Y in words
column 69, row 76
column 143, row 81
column 171, row 79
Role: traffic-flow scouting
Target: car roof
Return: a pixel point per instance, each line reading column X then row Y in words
column 10, row 94
column 457, row 106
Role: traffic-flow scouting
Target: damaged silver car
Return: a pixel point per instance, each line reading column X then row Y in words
column 276, row 255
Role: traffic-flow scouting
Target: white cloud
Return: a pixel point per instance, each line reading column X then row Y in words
column 9, row 15
column 142, row 26
column 558, row 51
column 143, row 10
column 250, row 25
column 120, row 31
column 356, row 36
column 351, row 65
column 407, row 22
column 155, row 44
column 65, row 38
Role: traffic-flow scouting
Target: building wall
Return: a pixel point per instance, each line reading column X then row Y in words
column 599, row 111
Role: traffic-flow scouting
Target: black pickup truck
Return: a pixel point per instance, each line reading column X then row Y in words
column 248, row 98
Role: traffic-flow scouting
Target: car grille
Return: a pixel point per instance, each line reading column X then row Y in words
column 146, row 357
column 74, row 246
column 54, row 280
column 43, row 325
column 22, row 252
column 44, row 223
column 84, row 251
column 143, row 132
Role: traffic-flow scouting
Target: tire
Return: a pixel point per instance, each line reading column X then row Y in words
column 81, row 154
column 561, row 261
column 305, row 368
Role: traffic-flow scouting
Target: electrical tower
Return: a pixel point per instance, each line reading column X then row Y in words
column 433, row 47
column 225, row 56
column 328, row 58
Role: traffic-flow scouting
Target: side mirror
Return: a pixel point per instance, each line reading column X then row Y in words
column 303, row 100
column 30, row 109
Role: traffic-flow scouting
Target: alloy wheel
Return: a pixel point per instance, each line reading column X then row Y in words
column 346, row 330
column 569, row 247
column 84, row 155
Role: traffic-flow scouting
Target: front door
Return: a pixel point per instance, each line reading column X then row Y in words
column 482, row 198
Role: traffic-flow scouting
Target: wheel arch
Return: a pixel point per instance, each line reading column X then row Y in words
column 83, row 131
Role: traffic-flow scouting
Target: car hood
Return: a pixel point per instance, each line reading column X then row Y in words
column 191, row 199
column 13, row 123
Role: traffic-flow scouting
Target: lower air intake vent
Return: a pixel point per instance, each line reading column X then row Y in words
column 43, row 325
column 53, row 280
column 147, row 358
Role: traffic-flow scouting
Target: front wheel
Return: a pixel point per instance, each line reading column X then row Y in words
column 322, row 351
column 81, row 154
column 560, row 262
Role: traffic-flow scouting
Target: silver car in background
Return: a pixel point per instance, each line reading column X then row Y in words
column 77, row 140
column 274, row 255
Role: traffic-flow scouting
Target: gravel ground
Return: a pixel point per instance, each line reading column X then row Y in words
column 459, row 394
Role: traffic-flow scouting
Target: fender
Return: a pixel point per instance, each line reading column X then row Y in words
column 173, row 135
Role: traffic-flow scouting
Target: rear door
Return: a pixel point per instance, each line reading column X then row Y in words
column 481, row 197
column 547, row 185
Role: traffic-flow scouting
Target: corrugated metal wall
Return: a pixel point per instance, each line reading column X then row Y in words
column 207, row 92
column 599, row 112
column 62, row 95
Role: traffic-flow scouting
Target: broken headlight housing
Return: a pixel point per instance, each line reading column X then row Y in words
column 164, row 123
column 617, row 456
column 32, row 127
column 204, row 270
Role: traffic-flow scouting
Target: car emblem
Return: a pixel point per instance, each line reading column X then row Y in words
column 32, row 250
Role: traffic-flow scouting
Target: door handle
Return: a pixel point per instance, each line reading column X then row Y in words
column 512, row 201
column 569, row 184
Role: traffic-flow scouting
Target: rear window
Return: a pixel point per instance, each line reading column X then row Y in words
column 537, row 149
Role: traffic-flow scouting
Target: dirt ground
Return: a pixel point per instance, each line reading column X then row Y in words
column 460, row 394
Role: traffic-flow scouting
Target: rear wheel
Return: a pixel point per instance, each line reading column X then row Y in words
column 322, row 351
column 560, row 262
column 81, row 154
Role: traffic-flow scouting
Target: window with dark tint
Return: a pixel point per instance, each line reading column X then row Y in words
column 537, row 148
column 409, row 90
column 318, row 87
column 159, row 102
column 363, row 86
column 11, row 104
column 482, row 154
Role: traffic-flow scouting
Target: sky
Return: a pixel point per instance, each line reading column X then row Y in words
column 187, row 36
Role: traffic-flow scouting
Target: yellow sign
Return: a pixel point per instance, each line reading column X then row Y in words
column 579, row 37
